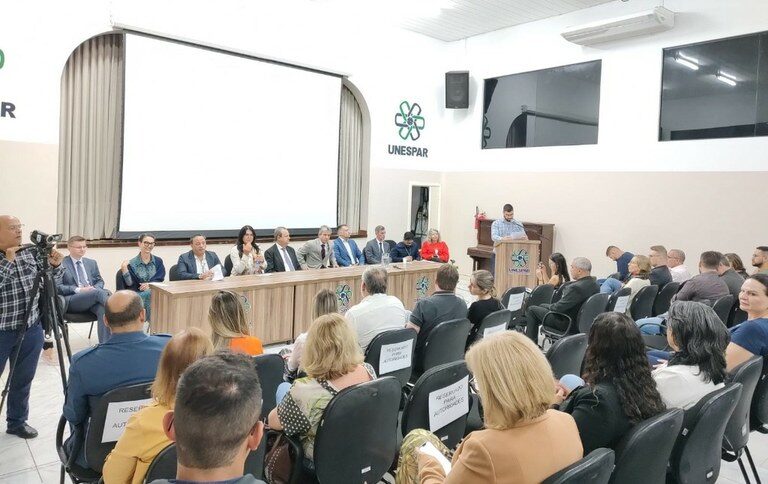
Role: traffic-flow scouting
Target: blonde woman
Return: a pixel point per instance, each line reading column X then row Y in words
column 639, row 273
column 434, row 248
column 516, row 387
column 481, row 285
column 325, row 303
column 229, row 327
column 144, row 438
column 333, row 361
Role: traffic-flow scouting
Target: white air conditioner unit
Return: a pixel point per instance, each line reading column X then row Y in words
column 658, row 19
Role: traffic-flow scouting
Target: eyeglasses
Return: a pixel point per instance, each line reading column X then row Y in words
column 149, row 244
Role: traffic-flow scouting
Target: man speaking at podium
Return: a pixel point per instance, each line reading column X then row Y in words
column 506, row 228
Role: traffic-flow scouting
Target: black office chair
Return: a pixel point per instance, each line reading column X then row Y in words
column 642, row 305
column 89, row 440
column 228, row 266
column 445, row 344
column 736, row 435
column 173, row 273
column 758, row 414
column 163, row 466
column 511, row 292
column 722, row 308
column 119, row 281
column 664, row 298
column 497, row 321
column 619, row 300
column 560, row 324
column 87, row 317
column 416, row 413
column 540, row 295
column 403, row 346
column 517, row 295
column 270, row 368
column 643, row 453
column 595, row 468
column 737, row 315
column 567, row 354
column 696, row 455
column 391, row 243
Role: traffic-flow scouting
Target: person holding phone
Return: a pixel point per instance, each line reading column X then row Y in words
column 557, row 267
column 245, row 256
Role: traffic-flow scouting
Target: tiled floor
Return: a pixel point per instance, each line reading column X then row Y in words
column 35, row 461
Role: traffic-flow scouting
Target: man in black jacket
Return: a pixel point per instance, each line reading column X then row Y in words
column 660, row 273
column 574, row 295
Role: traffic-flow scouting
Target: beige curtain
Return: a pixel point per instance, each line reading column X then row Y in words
column 350, row 161
column 90, row 138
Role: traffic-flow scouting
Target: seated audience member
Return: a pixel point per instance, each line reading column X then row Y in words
column 246, row 257
column 481, row 285
column 760, row 259
column 405, row 250
column 345, row 250
column 750, row 338
column 434, row 248
column 377, row 246
column 377, row 312
column 317, row 253
column 229, row 327
column 737, row 264
column 730, row 277
column 215, row 421
column 442, row 305
column 676, row 264
column 82, row 285
column 583, row 286
column 281, row 257
column 622, row 260
column 141, row 270
column 129, row 357
column 333, row 361
column 618, row 389
column 559, row 269
column 639, row 273
column 706, row 287
column 325, row 302
column 660, row 274
column 515, row 385
column 144, row 438
column 696, row 365
column 198, row 263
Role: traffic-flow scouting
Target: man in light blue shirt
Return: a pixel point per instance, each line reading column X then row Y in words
column 506, row 228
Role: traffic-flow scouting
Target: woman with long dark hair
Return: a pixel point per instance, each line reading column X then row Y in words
column 618, row 389
column 245, row 256
column 750, row 338
column 737, row 264
column 696, row 366
column 559, row 269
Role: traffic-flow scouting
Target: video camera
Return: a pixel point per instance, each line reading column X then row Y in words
column 43, row 240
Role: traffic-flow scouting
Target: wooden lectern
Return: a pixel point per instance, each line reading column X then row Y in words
column 516, row 263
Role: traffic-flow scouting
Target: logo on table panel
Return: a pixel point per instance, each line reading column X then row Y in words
column 246, row 304
column 409, row 120
column 2, row 58
column 343, row 297
column 518, row 262
column 422, row 287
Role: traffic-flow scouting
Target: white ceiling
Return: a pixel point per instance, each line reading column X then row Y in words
column 474, row 17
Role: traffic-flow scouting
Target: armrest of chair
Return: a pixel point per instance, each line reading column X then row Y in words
column 78, row 437
column 555, row 313
column 297, row 454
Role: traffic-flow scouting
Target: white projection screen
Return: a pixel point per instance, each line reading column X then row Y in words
column 213, row 141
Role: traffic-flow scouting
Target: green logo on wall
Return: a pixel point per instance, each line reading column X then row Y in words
column 2, row 58
column 409, row 120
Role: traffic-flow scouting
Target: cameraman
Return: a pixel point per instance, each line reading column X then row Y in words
column 17, row 275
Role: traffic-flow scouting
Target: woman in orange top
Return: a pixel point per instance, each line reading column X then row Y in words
column 230, row 329
column 433, row 248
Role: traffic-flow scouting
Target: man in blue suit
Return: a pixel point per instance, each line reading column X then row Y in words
column 198, row 262
column 345, row 249
column 82, row 286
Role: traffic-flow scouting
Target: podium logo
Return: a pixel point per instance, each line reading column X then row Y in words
column 409, row 120
column 422, row 287
column 519, row 262
column 343, row 297
column 2, row 58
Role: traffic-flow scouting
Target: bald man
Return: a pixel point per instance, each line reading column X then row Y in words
column 129, row 357
column 17, row 276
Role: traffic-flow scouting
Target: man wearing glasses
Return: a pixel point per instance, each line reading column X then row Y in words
column 82, row 286
column 17, row 276
column 676, row 264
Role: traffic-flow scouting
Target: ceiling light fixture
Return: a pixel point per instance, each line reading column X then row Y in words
column 687, row 61
column 726, row 78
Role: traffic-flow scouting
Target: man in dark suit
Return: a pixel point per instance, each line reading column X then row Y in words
column 574, row 295
column 660, row 273
column 345, row 249
column 281, row 257
column 376, row 247
column 198, row 263
column 82, row 285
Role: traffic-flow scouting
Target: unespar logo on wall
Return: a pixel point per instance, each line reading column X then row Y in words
column 6, row 108
column 410, row 122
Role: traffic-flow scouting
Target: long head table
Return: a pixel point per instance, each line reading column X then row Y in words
column 279, row 305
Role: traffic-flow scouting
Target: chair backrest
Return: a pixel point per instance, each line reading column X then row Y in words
column 664, row 298
column 173, row 273
column 697, row 452
column 119, row 281
column 270, row 369
column 592, row 307
column 496, row 322
column 758, row 414
column 643, row 453
column 619, row 298
column 109, row 414
column 737, row 316
column 516, row 302
column 227, row 266
column 595, row 468
column 163, row 466
column 445, row 344
column 446, row 386
column 567, row 354
column 737, row 431
column 357, row 436
column 540, row 295
column 722, row 308
column 391, row 353
column 391, row 243
column 642, row 304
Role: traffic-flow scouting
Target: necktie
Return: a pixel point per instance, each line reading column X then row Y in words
column 322, row 254
column 381, row 248
column 288, row 263
column 82, row 279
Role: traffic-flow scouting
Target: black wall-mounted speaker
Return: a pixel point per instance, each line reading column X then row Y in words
column 457, row 90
